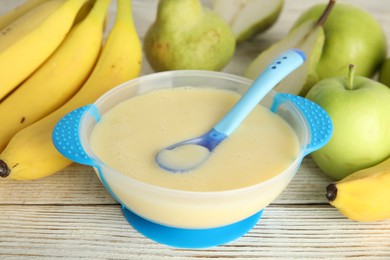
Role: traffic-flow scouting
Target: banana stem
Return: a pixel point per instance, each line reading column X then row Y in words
column 351, row 76
column 325, row 14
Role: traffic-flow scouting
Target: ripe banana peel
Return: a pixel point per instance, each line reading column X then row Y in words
column 58, row 78
column 363, row 195
column 32, row 39
column 30, row 154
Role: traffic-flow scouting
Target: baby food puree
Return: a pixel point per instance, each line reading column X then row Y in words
column 130, row 134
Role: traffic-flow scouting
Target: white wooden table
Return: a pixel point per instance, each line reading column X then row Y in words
column 70, row 215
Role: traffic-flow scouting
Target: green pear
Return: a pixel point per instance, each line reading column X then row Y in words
column 309, row 37
column 384, row 73
column 359, row 109
column 353, row 35
column 248, row 18
column 187, row 35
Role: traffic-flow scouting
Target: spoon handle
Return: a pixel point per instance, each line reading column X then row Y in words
column 268, row 79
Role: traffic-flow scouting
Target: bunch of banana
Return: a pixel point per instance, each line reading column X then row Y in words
column 363, row 195
column 29, row 40
column 58, row 78
column 30, row 154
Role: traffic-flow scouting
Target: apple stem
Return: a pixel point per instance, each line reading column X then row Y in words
column 325, row 13
column 351, row 76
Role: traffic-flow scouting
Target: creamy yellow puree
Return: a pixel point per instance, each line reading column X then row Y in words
column 129, row 135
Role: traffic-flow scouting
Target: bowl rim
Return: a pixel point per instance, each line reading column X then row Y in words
column 160, row 189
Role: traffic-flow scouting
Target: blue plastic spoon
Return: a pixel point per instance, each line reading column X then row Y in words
column 187, row 155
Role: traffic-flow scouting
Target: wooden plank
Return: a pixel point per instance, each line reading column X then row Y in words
column 102, row 233
column 79, row 185
column 76, row 184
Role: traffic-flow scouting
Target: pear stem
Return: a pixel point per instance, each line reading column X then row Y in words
column 351, row 76
column 325, row 13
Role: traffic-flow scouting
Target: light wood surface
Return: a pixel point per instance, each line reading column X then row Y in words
column 71, row 216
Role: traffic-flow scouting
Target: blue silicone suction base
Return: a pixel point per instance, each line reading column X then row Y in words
column 190, row 238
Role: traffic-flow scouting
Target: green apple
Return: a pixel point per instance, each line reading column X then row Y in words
column 353, row 35
column 359, row 108
column 384, row 73
column 186, row 35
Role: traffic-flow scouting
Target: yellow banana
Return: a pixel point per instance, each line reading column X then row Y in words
column 84, row 11
column 18, row 11
column 363, row 195
column 27, row 42
column 28, row 22
column 58, row 78
column 31, row 154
